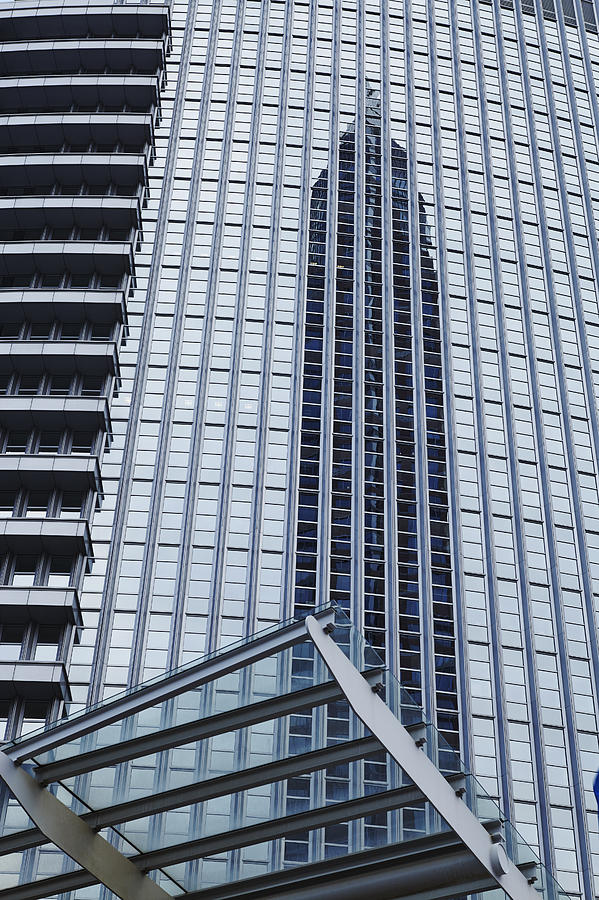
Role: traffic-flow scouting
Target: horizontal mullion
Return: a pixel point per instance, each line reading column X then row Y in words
column 456, row 866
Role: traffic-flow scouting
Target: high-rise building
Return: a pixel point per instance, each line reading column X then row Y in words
column 299, row 302
column 80, row 101
column 364, row 530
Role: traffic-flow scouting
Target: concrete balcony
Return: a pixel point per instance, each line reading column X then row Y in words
column 49, row 131
column 39, row 173
column 74, row 472
column 29, row 22
column 35, row 213
column 55, row 413
column 34, row 680
column 54, row 257
column 72, row 305
column 54, row 536
column 60, row 357
column 43, row 605
column 116, row 55
column 61, row 92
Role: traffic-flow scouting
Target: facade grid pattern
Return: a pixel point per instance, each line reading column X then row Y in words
column 477, row 187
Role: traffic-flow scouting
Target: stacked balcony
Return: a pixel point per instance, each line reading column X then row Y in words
column 79, row 106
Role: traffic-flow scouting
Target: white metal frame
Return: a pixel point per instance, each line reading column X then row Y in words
column 488, row 863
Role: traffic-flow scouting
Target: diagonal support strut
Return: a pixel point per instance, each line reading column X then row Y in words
column 396, row 740
column 68, row 832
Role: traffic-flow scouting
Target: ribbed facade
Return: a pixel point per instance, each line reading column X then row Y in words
column 79, row 104
column 361, row 364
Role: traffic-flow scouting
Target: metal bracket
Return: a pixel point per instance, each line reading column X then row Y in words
column 418, row 733
column 458, row 783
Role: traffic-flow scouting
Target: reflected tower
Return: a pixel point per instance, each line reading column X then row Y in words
column 370, row 424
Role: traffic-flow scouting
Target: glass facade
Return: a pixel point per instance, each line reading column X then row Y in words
column 369, row 413
column 361, row 364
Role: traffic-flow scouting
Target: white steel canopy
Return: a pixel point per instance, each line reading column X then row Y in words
column 281, row 767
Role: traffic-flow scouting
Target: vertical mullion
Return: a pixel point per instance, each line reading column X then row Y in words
column 326, row 456
column 418, row 375
column 323, row 576
column 512, row 443
column 585, row 353
column 479, row 415
column 357, row 611
column 239, row 800
column 357, row 583
column 252, row 584
column 451, row 453
column 388, row 309
column 129, row 453
column 291, row 530
column 300, row 304
column 570, row 455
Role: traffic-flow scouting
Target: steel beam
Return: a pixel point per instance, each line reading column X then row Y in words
column 432, row 867
column 76, row 839
column 50, row 887
column 157, row 691
column 197, row 730
column 283, row 826
column 219, row 843
column 206, row 790
column 396, row 740
column 224, row 785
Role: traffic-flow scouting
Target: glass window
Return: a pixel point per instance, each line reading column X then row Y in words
column 83, row 441
column 70, row 331
column 7, row 502
column 101, row 332
column 48, row 640
column 49, row 441
column 72, row 503
column 92, row 385
column 24, row 572
column 60, row 385
column 16, row 441
column 11, row 642
column 34, row 715
column 10, row 330
column 29, row 385
column 40, row 331
column 37, row 503
column 59, row 574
